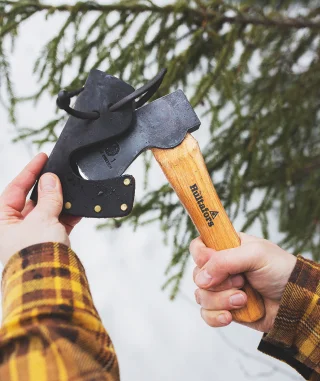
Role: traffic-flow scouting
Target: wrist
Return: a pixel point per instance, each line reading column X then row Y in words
column 295, row 302
column 20, row 247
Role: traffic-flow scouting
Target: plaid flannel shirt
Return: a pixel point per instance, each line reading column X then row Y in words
column 51, row 329
column 295, row 335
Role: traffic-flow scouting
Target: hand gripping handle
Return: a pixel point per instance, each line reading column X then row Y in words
column 187, row 173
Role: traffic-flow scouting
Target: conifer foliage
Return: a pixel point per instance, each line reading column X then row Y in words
column 250, row 68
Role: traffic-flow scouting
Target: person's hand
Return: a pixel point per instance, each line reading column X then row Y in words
column 267, row 268
column 23, row 223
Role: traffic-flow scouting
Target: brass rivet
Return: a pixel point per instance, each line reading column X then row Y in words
column 124, row 207
column 126, row 181
column 97, row 208
column 67, row 205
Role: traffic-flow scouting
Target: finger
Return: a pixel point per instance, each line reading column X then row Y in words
column 14, row 196
column 200, row 252
column 50, row 198
column 69, row 222
column 216, row 318
column 232, row 282
column 223, row 300
column 29, row 206
column 229, row 262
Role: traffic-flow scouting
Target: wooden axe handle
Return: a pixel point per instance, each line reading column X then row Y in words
column 187, row 173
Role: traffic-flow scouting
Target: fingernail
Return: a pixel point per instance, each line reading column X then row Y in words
column 237, row 300
column 237, row 281
column 47, row 182
column 222, row 319
column 196, row 294
column 203, row 278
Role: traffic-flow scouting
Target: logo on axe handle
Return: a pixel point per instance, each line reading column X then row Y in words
column 209, row 215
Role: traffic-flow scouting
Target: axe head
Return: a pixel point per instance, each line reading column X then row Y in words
column 163, row 123
column 105, row 133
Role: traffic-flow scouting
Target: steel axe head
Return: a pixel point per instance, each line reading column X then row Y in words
column 163, row 123
column 107, row 129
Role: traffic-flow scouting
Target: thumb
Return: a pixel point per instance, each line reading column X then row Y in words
column 50, row 198
column 228, row 262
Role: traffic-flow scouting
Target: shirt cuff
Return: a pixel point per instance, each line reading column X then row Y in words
column 295, row 335
column 48, row 277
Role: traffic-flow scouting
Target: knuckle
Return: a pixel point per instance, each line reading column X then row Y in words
column 51, row 197
column 221, row 301
column 201, row 295
column 209, row 317
column 195, row 273
column 195, row 249
column 211, row 300
column 216, row 264
column 8, row 214
column 192, row 249
column 257, row 247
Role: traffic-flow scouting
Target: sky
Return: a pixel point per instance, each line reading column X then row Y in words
column 155, row 339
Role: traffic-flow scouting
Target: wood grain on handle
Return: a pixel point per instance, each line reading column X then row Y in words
column 187, row 173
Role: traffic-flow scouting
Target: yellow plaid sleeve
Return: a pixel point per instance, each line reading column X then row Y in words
column 295, row 336
column 51, row 329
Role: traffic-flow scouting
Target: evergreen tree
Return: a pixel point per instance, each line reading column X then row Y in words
column 250, row 68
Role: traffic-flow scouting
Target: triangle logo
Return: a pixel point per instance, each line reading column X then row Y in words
column 213, row 214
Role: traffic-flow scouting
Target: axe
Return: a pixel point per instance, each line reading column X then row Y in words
column 107, row 129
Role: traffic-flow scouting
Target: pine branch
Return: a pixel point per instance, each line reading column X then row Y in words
column 204, row 15
column 255, row 88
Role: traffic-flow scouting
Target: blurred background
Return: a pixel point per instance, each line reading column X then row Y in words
column 252, row 71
